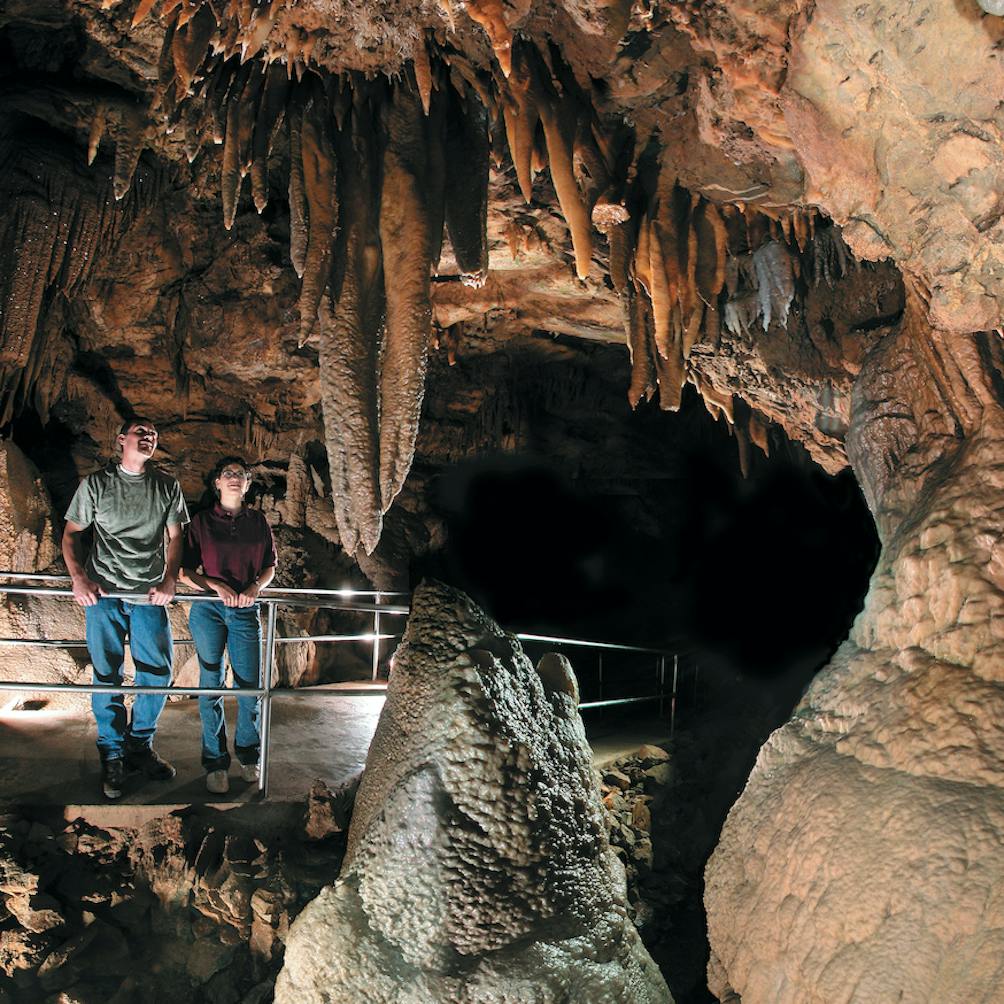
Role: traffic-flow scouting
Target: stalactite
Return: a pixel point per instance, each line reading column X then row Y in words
column 423, row 75
column 490, row 14
column 97, row 131
column 520, row 117
column 465, row 149
column 435, row 186
column 129, row 143
column 297, row 198
column 404, row 239
column 641, row 347
column 191, row 43
column 351, row 320
column 775, row 282
column 558, row 118
column 322, row 208
column 269, row 119
column 57, row 223
column 230, row 176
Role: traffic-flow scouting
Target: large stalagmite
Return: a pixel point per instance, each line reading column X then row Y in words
column 478, row 865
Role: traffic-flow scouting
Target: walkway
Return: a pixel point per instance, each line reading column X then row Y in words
column 48, row 758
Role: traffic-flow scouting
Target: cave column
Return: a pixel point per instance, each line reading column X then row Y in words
column 861, row 862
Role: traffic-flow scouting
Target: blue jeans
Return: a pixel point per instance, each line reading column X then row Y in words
column 216, row 627
column 109, row 622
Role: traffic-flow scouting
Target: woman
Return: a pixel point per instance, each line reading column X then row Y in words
column 229, row 550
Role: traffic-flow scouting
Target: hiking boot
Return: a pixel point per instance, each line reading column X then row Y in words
column 148, row 761
column 249, row 773
column 112, row 777
column 218, row 782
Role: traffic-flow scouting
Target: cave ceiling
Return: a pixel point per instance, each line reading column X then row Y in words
column 253, row 221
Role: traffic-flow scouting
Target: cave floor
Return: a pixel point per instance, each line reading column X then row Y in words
column 48, row 758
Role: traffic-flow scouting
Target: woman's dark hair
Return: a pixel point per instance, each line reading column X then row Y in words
column 221, row 465
column 209, row 497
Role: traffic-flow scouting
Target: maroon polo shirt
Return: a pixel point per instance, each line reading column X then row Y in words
column 232, row 548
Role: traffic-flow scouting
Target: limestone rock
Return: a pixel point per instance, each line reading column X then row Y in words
column 862, row 862
column 27, row 537
column 478, row 865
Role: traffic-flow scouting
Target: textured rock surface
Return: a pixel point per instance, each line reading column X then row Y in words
column 478, row 865
column 862, row 861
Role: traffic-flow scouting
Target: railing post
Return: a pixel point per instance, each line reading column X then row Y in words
column 266, row 701
column 672, row 701
column 662, row 684
column 376, row 639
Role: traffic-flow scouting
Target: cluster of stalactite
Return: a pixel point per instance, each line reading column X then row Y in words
column 686, row 267
column 378, row 167
column 58, row 221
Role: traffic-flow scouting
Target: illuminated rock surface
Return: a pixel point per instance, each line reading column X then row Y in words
column 478, row 865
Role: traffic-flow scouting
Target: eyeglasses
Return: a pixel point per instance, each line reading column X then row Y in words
column 233, row 472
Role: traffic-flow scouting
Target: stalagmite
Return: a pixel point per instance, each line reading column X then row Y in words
column 404, row 238
column 466, row 161
column 322, row 201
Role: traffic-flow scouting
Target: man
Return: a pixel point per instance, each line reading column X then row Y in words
column 132, row 507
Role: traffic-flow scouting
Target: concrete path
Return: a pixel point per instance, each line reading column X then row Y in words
column 48, row 758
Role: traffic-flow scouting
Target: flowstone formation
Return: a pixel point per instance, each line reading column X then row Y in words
column 478, row 866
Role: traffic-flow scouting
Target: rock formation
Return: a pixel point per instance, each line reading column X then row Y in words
column 861, row 861
column 478, row 864
column 792, row 206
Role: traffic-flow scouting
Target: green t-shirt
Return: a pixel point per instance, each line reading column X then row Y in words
column 129, row 513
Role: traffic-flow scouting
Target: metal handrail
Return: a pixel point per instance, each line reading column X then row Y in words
column 265, row 691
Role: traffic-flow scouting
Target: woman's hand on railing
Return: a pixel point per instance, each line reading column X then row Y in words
column 225, row 593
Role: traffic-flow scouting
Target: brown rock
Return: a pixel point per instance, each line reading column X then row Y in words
column 652, row 753
column 641, row 815
column 617, row 778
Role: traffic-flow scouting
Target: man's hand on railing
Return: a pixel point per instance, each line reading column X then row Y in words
column 161, row 595
column 249, row 596
column 86, row 591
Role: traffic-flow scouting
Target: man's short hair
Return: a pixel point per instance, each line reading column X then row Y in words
column 136, row 420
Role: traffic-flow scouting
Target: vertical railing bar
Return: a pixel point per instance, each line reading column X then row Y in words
column 266, row 701
column 661, row 670
column 376, row 640
column 672, row 701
